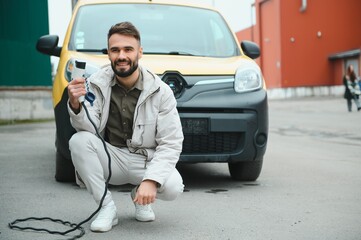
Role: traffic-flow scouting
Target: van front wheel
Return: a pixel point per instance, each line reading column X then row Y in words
column 64, row 169
column 245, row 171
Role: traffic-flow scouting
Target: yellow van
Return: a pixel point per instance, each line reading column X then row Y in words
column 220, row 90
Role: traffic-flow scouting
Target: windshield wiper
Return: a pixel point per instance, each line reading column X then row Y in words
column 170, row 53
column 180, row 53
column 104, row 50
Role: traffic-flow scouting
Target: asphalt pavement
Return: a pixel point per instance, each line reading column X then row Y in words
column 309, row 187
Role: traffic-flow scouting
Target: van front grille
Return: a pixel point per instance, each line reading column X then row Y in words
column 214, row 142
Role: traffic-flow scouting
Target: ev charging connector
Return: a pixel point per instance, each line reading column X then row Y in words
column 79, row 71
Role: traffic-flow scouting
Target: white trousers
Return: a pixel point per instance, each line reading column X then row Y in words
column 91, row 163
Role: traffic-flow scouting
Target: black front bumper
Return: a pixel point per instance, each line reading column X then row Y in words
column 236, row 123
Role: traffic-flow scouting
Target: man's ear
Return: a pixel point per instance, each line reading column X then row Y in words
column 140, row 52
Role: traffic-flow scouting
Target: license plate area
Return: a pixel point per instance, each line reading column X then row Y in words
column 195, row 126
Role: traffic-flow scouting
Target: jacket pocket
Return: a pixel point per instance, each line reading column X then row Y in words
column 144, row 134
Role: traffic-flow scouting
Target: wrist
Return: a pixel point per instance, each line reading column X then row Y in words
column 156, row 184
column 75, row 107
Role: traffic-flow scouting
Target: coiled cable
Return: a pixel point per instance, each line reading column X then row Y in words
column 74, row 226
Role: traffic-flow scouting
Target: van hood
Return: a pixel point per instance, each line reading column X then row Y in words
column 191, row 65
column 185, row 65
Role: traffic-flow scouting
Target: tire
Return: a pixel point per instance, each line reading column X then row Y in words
column 64, row 169
column 245, row 171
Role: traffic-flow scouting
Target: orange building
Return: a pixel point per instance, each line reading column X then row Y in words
column 306, row 44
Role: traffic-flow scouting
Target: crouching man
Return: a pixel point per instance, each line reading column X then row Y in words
column 136, row 113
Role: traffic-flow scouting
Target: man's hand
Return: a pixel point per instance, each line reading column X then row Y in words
column 146, row 192
column 76, row 89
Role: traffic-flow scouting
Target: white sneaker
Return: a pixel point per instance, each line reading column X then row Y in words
column 143, row 213
column 106, row 219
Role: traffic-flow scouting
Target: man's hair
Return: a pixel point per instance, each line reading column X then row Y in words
column 124, row 28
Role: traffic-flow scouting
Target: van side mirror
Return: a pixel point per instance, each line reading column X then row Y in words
column 251, row 49
column 48, row 44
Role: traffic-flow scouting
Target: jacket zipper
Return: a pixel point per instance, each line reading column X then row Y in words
column 150, row 95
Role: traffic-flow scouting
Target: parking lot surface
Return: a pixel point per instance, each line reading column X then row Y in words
column 309, row 187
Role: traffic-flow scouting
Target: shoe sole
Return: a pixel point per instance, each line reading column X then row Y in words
column 115, row 222
column 140, row 219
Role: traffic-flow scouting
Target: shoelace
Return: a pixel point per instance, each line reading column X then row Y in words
column 143, row 207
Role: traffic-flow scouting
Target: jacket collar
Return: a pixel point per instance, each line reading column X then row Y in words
column 103, row 79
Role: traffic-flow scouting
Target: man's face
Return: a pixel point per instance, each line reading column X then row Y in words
column 124, row 53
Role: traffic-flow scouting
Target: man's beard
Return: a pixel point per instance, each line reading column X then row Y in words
column 123, row 72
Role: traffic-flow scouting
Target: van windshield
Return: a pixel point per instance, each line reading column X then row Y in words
column 164, row 29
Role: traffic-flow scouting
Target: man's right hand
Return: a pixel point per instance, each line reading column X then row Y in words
column 76, row 89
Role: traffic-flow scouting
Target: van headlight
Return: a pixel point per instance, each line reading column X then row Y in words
column 248, row 78
column 89, row 68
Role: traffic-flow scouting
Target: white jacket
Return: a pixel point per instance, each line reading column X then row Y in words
column 157, row 130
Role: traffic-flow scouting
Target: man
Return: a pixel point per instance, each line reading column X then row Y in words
column 136, row 113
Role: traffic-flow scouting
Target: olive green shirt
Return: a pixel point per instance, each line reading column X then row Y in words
column 119, row 127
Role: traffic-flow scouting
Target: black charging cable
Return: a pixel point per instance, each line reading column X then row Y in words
column 74, row 226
